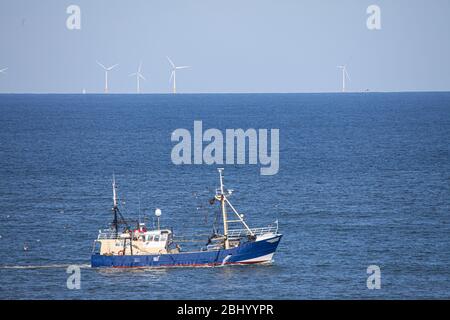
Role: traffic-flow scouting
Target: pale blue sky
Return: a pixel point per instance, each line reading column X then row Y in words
column 232, row 46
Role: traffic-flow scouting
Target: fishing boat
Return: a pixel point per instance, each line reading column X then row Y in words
column 123, row 247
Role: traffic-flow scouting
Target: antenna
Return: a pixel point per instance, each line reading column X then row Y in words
column 221, row 178
column 114, row 191
column 115, row 208
column 139, row 212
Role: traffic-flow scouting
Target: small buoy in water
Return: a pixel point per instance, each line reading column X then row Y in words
column 8, row 216
column 25, row 247
column 38, row 240
column 1, row 236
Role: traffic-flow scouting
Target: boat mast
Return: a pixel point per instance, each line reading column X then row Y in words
column 224, row 210
column 115, row 207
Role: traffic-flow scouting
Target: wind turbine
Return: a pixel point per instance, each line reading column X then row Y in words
column 344, row 76
column 174, row 74
column 139, row 76
column 106, row 73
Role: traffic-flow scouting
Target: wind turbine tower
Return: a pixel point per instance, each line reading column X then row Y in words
column 174, row 74
column 107, row 69
column 344, row 76
column 138, row 76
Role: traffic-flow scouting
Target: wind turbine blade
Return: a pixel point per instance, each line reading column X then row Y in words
column 182, row 67
column 101, row 65
column 170, row 61
column 112, row 67
column 346, row 73
column 141, row 76
column 140, row 66
column 133, row 74
column 3, row 70
column 171, row 75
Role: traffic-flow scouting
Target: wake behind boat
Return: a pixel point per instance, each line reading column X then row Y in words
column 158, row 248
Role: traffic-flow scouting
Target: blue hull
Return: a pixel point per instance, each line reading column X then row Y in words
column 247, row 253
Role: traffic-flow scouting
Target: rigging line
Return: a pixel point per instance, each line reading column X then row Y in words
column 119, row 211
column 200, row 206
column 216, row 218
column 125, row 210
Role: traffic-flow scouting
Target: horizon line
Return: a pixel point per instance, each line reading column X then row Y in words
column 200, row 93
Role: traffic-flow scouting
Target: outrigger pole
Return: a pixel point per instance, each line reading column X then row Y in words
column 223, row 201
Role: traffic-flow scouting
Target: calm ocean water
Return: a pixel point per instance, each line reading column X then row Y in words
column 364, row 179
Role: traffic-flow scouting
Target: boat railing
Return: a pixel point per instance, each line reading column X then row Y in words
column 235, row 233
column 238, row 233
column 191, row 238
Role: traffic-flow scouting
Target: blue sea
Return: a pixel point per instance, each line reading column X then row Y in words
column 364, row 180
